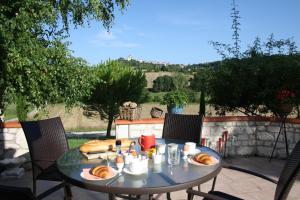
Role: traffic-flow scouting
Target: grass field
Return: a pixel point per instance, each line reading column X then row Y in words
column 74, row 119
column 76, row 142
column 10, row 112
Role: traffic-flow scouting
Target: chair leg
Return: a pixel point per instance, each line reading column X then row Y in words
column 169, row 196
column 111, row 197
column 190, row 196
column 199, row 188
column 34, row 187
column 68, row 192
column 214, row 184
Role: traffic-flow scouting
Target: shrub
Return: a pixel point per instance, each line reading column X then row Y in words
column 163, row 84
column 176, row 98
column 156, row 98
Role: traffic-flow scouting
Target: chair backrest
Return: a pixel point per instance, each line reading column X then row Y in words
column 182, row 127
column 15, row 193
column 288, row 174
column 46, row 140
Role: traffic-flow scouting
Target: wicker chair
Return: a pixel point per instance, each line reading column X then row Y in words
column 284, row 184
column 182, row 127
column 16, row 193
column 46, row 141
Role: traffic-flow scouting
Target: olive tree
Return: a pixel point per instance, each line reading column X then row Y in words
column 113, row 84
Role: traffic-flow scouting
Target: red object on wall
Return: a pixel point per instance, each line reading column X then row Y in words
column 220, row 144
column 202, row 141
column 225, row 136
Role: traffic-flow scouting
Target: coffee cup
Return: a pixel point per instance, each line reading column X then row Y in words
column 147, row 142
column 190, row 147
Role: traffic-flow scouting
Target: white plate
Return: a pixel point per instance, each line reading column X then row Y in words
column 127, row 171
column 87, row 176
column 191, row 161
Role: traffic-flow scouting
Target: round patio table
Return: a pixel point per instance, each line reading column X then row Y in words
column 160, row 178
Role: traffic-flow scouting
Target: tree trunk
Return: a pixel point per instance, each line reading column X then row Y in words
column 110, row 121
column 2, row 107
column 202, row 104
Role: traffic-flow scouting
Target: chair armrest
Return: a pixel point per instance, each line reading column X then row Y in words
column 205, row 195
column 250, row 172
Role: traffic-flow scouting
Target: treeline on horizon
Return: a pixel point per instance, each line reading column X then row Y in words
column 157, row 67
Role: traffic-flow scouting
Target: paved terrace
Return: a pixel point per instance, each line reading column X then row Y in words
column 236, row 183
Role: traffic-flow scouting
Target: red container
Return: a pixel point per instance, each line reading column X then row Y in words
column 203, row 141
column 147, row 142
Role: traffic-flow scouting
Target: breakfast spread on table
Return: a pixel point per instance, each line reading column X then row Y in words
column 124, row 156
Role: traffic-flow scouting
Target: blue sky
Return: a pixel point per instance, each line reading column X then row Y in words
column 178, row 31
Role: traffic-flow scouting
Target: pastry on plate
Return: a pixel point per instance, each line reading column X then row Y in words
column 100, row 171
column 204, row 158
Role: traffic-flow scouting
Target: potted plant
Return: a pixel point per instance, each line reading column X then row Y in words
column 285, row 99
column 175, row 101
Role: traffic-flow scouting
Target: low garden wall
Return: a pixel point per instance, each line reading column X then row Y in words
column 246, row 135
column 12, row 140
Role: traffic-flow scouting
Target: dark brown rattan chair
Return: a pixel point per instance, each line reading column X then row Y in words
column 46, row 141
column 284, row 184
column 182, row 127
column 16, row 193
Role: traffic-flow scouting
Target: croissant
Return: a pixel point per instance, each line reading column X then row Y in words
column 100, row 171
column 204, row 159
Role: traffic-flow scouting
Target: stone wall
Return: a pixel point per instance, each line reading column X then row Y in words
column 136, row 128
column 247, row 135
column 12, row 140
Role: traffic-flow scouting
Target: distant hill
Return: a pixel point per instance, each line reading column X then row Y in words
column 166, row 67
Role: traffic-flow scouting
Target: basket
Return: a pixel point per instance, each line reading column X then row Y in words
column 156, row 112
column 128, row 113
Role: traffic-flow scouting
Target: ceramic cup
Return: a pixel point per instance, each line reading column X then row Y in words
column 191, row 146
column 147, row 142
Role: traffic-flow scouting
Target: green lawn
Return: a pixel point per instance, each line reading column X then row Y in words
column 76, row 142
column 10, row 112
column 84, row 129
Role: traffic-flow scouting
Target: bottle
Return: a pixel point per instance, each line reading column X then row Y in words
column 118, row 146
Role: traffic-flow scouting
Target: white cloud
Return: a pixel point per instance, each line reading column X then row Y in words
column 108, row 39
